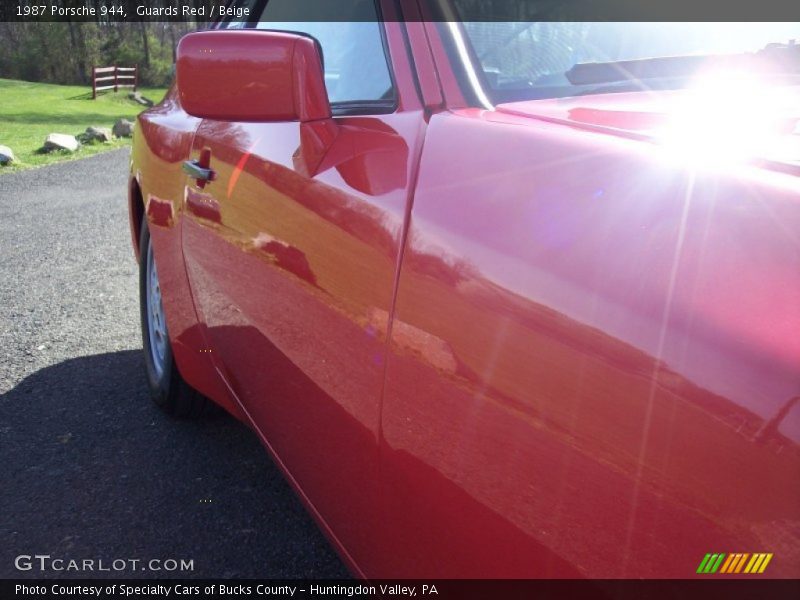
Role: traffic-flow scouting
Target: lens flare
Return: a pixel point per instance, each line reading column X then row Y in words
column 725, row 119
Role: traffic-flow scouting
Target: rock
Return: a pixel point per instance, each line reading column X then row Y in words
column 61, row 141
column 100, row 134
column 143, row 100
column 123, row 128
column 6, row 155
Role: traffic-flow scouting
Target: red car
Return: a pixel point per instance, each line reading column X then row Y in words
column 501, row 299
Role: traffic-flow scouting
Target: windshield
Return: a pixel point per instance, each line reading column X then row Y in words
column 525, row 60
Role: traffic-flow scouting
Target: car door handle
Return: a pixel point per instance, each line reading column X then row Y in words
column 197, row 171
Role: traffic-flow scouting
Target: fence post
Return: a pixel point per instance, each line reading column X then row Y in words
column 135, row 76
column 94, row 82
column 116, row 87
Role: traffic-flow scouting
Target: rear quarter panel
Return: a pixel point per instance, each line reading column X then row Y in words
column 162, row 141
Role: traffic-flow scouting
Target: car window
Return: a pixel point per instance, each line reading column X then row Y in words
column 529, row 60
column 354, row 59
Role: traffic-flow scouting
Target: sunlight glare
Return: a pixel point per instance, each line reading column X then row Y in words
column 724, row 119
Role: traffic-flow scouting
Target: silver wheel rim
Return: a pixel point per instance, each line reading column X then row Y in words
column 156, row 325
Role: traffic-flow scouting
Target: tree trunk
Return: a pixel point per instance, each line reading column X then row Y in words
column 145, row 45
column 78, row 51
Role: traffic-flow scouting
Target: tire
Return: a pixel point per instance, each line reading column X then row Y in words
column 167, row 388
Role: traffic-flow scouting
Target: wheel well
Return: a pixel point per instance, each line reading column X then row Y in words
column 136, row 214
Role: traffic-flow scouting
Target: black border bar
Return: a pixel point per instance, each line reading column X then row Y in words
column 446, row 589
column 208, row 11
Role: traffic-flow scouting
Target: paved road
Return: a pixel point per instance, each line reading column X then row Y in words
column 89, row 468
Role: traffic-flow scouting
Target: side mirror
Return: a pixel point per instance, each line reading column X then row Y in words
column 251, row 76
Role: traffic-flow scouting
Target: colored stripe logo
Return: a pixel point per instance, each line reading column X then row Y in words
column 735, row 562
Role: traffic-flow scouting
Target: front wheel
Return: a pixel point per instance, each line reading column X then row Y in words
column 167, row 388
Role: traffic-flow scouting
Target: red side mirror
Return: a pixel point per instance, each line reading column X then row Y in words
column 251, row 76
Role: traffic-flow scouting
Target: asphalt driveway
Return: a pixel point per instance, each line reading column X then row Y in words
column 89, row 468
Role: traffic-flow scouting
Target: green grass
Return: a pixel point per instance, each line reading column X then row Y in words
column 31, row 111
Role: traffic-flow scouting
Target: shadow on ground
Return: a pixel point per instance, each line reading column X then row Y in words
column 92, row 470
column 78, row 119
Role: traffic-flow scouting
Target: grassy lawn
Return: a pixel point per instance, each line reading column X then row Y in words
column 31, row 111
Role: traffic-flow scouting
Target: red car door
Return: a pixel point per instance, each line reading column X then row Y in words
column 594, row 351
column 292, row 255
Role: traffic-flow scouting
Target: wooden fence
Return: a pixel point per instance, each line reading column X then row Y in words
column 107, row 78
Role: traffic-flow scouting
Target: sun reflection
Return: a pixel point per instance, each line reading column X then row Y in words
column 725, row 119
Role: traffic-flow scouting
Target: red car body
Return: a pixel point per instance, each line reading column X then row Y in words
column 508, row 341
